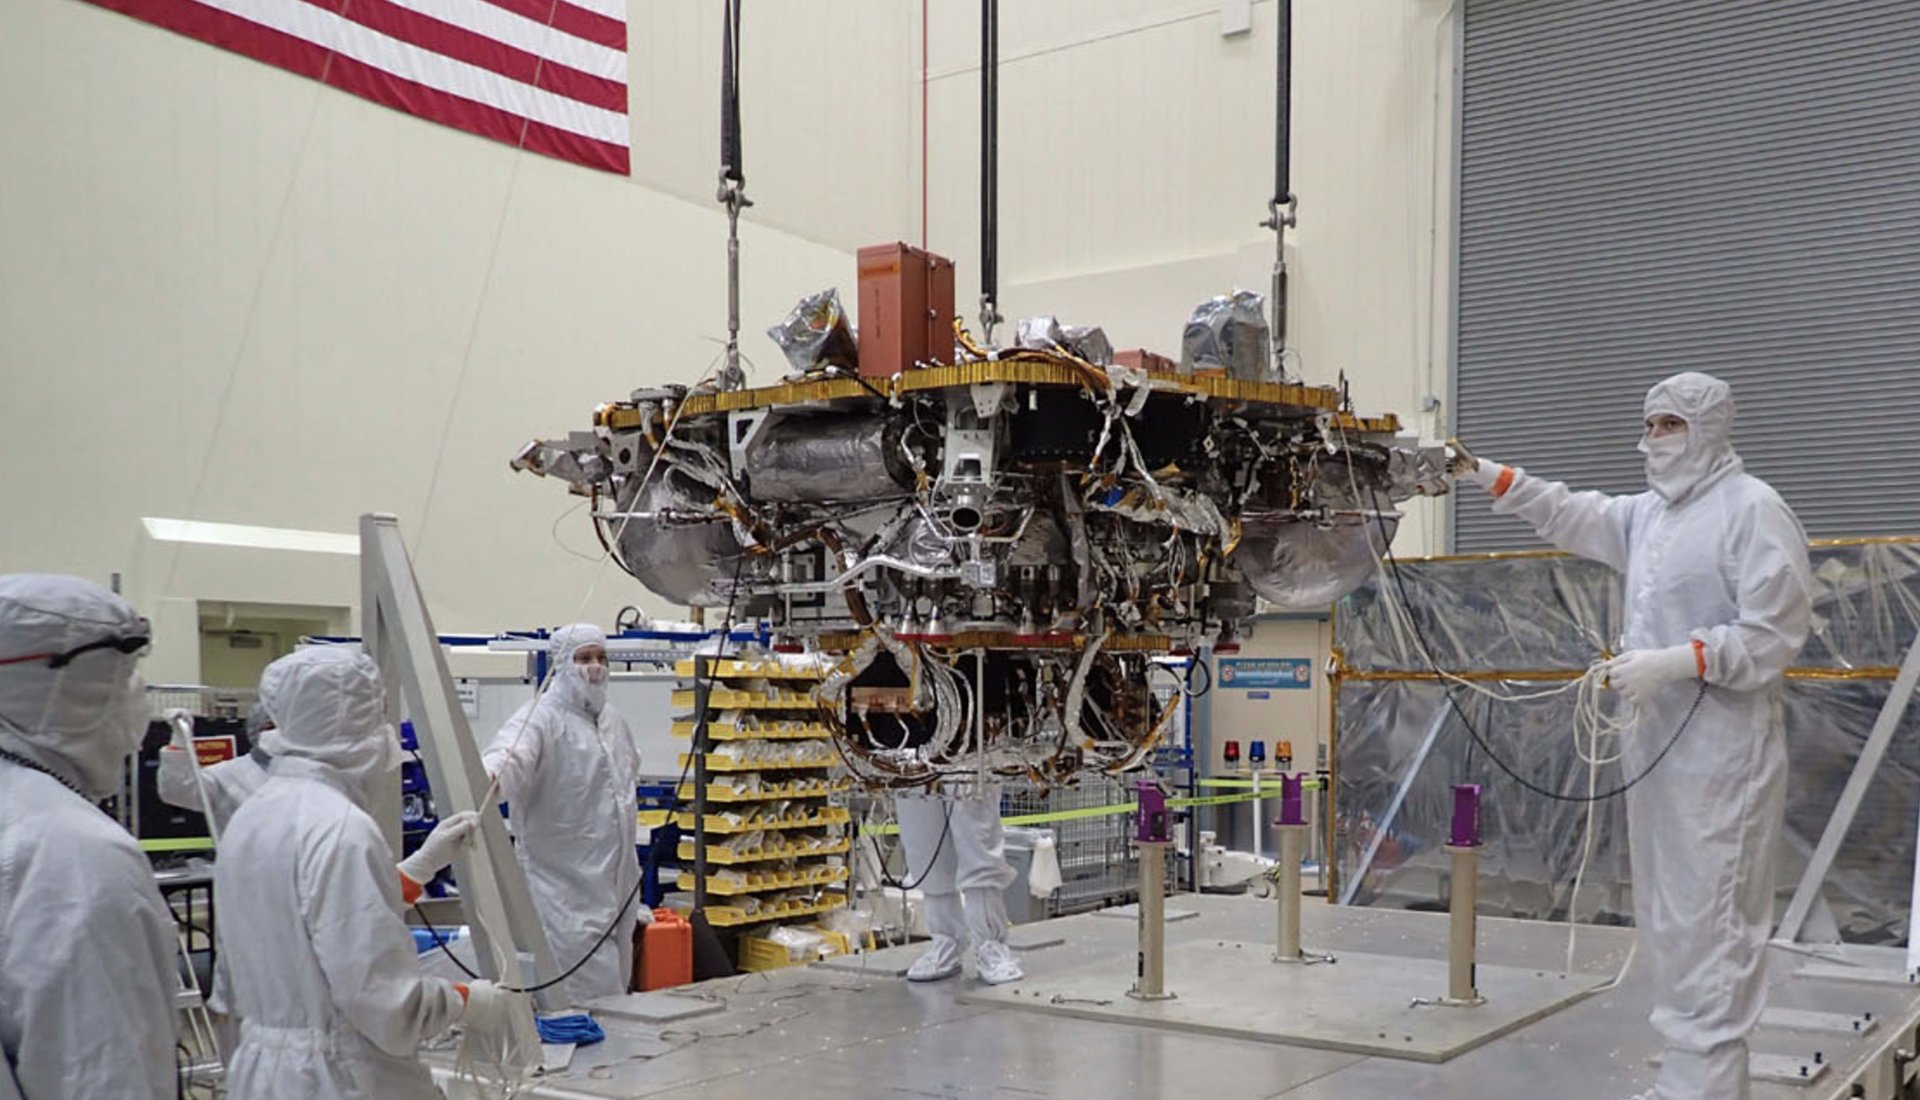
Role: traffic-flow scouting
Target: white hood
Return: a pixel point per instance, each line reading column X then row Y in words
column 1679, row 464
column 569, row 687
column 328, row 706
column 79, row 721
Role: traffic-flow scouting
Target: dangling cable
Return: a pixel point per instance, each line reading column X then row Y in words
column 1280, row 207
column 989, row 168
column 733, row 184
column 1383, row 556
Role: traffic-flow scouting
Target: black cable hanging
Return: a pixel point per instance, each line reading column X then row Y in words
column 1281, row 206
column 733, row 184
column 989, row 167
column 1473, row 732
column 731, row 169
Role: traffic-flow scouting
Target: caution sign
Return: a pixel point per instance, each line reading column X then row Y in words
column 215, row 750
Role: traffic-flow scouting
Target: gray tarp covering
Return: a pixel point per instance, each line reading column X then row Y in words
column 1555, row 614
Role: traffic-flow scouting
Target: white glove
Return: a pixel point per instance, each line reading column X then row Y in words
column 1483, row 474
column 1460, row 461
column 441, row 846
column 1638, row 673
column 182, row 722
column 499, row 1032
column 645, row 914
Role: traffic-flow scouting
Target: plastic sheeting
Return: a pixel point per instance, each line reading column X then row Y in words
column 1556, row 614
column 1229, row 333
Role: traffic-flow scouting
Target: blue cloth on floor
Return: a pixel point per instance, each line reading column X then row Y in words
column 424, row 941
column 577, row 1028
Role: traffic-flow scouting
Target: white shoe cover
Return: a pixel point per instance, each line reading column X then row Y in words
column 942, row 960
column 998, row 964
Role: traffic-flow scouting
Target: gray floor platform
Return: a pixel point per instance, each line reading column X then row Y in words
column 1358, row 1003
column 892, row 962
column 819, row 1034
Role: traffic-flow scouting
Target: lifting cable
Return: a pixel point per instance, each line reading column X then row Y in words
column 989, row 167
column 733, row 184
column 1280, row 207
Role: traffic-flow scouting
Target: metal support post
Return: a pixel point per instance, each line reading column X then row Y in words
column 1293, row 828
column 1259, row 840
column 1150, row 981
column 1463, row 930
column 1463, row 927
column 1287, row 946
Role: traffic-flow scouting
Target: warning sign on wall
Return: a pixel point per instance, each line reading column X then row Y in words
column 1266, row 673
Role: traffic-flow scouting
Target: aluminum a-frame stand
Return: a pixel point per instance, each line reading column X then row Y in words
column 1807, row 895
column 399, row 635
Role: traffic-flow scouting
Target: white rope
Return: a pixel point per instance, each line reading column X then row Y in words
column 1593, row 720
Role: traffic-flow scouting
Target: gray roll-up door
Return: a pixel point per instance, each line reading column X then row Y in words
column 1651, row 187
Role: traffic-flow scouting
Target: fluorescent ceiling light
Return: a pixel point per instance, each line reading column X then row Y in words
column 254, row 538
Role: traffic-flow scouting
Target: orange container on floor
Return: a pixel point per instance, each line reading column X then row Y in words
column 666, row 952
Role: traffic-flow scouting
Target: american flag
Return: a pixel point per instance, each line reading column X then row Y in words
column 546, row 75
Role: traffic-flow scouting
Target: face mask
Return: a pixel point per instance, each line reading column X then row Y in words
column 135, row 715
column 1673, row 466
column 103, row 722
column 1664, row 453
column 594, row 674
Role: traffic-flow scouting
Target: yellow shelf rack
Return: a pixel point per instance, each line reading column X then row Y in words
column 718, row 763
column 733, row 916
column 731, row 731
column 721, row 856
column 763, row 882
column 735, row 669
column 742, row 699
column 760, row 698
column 764, row 954
column 831, row 815
column 804, row 789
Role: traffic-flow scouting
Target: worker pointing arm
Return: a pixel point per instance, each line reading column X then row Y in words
column 1717, row 605
column 1590, row 524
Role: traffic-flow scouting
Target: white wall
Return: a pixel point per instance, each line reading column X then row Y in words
column 829, row 108
column 230, row 294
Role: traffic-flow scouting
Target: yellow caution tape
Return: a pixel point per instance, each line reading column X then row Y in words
column 1266, row 792
column 184, row 844
column 1265, row 785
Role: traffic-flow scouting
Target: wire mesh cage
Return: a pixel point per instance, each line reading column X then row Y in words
column 1098, row 864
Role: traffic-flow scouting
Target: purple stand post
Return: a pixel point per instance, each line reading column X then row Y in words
column 1153, row 823
column 1466, row 816
column 1291, row 805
